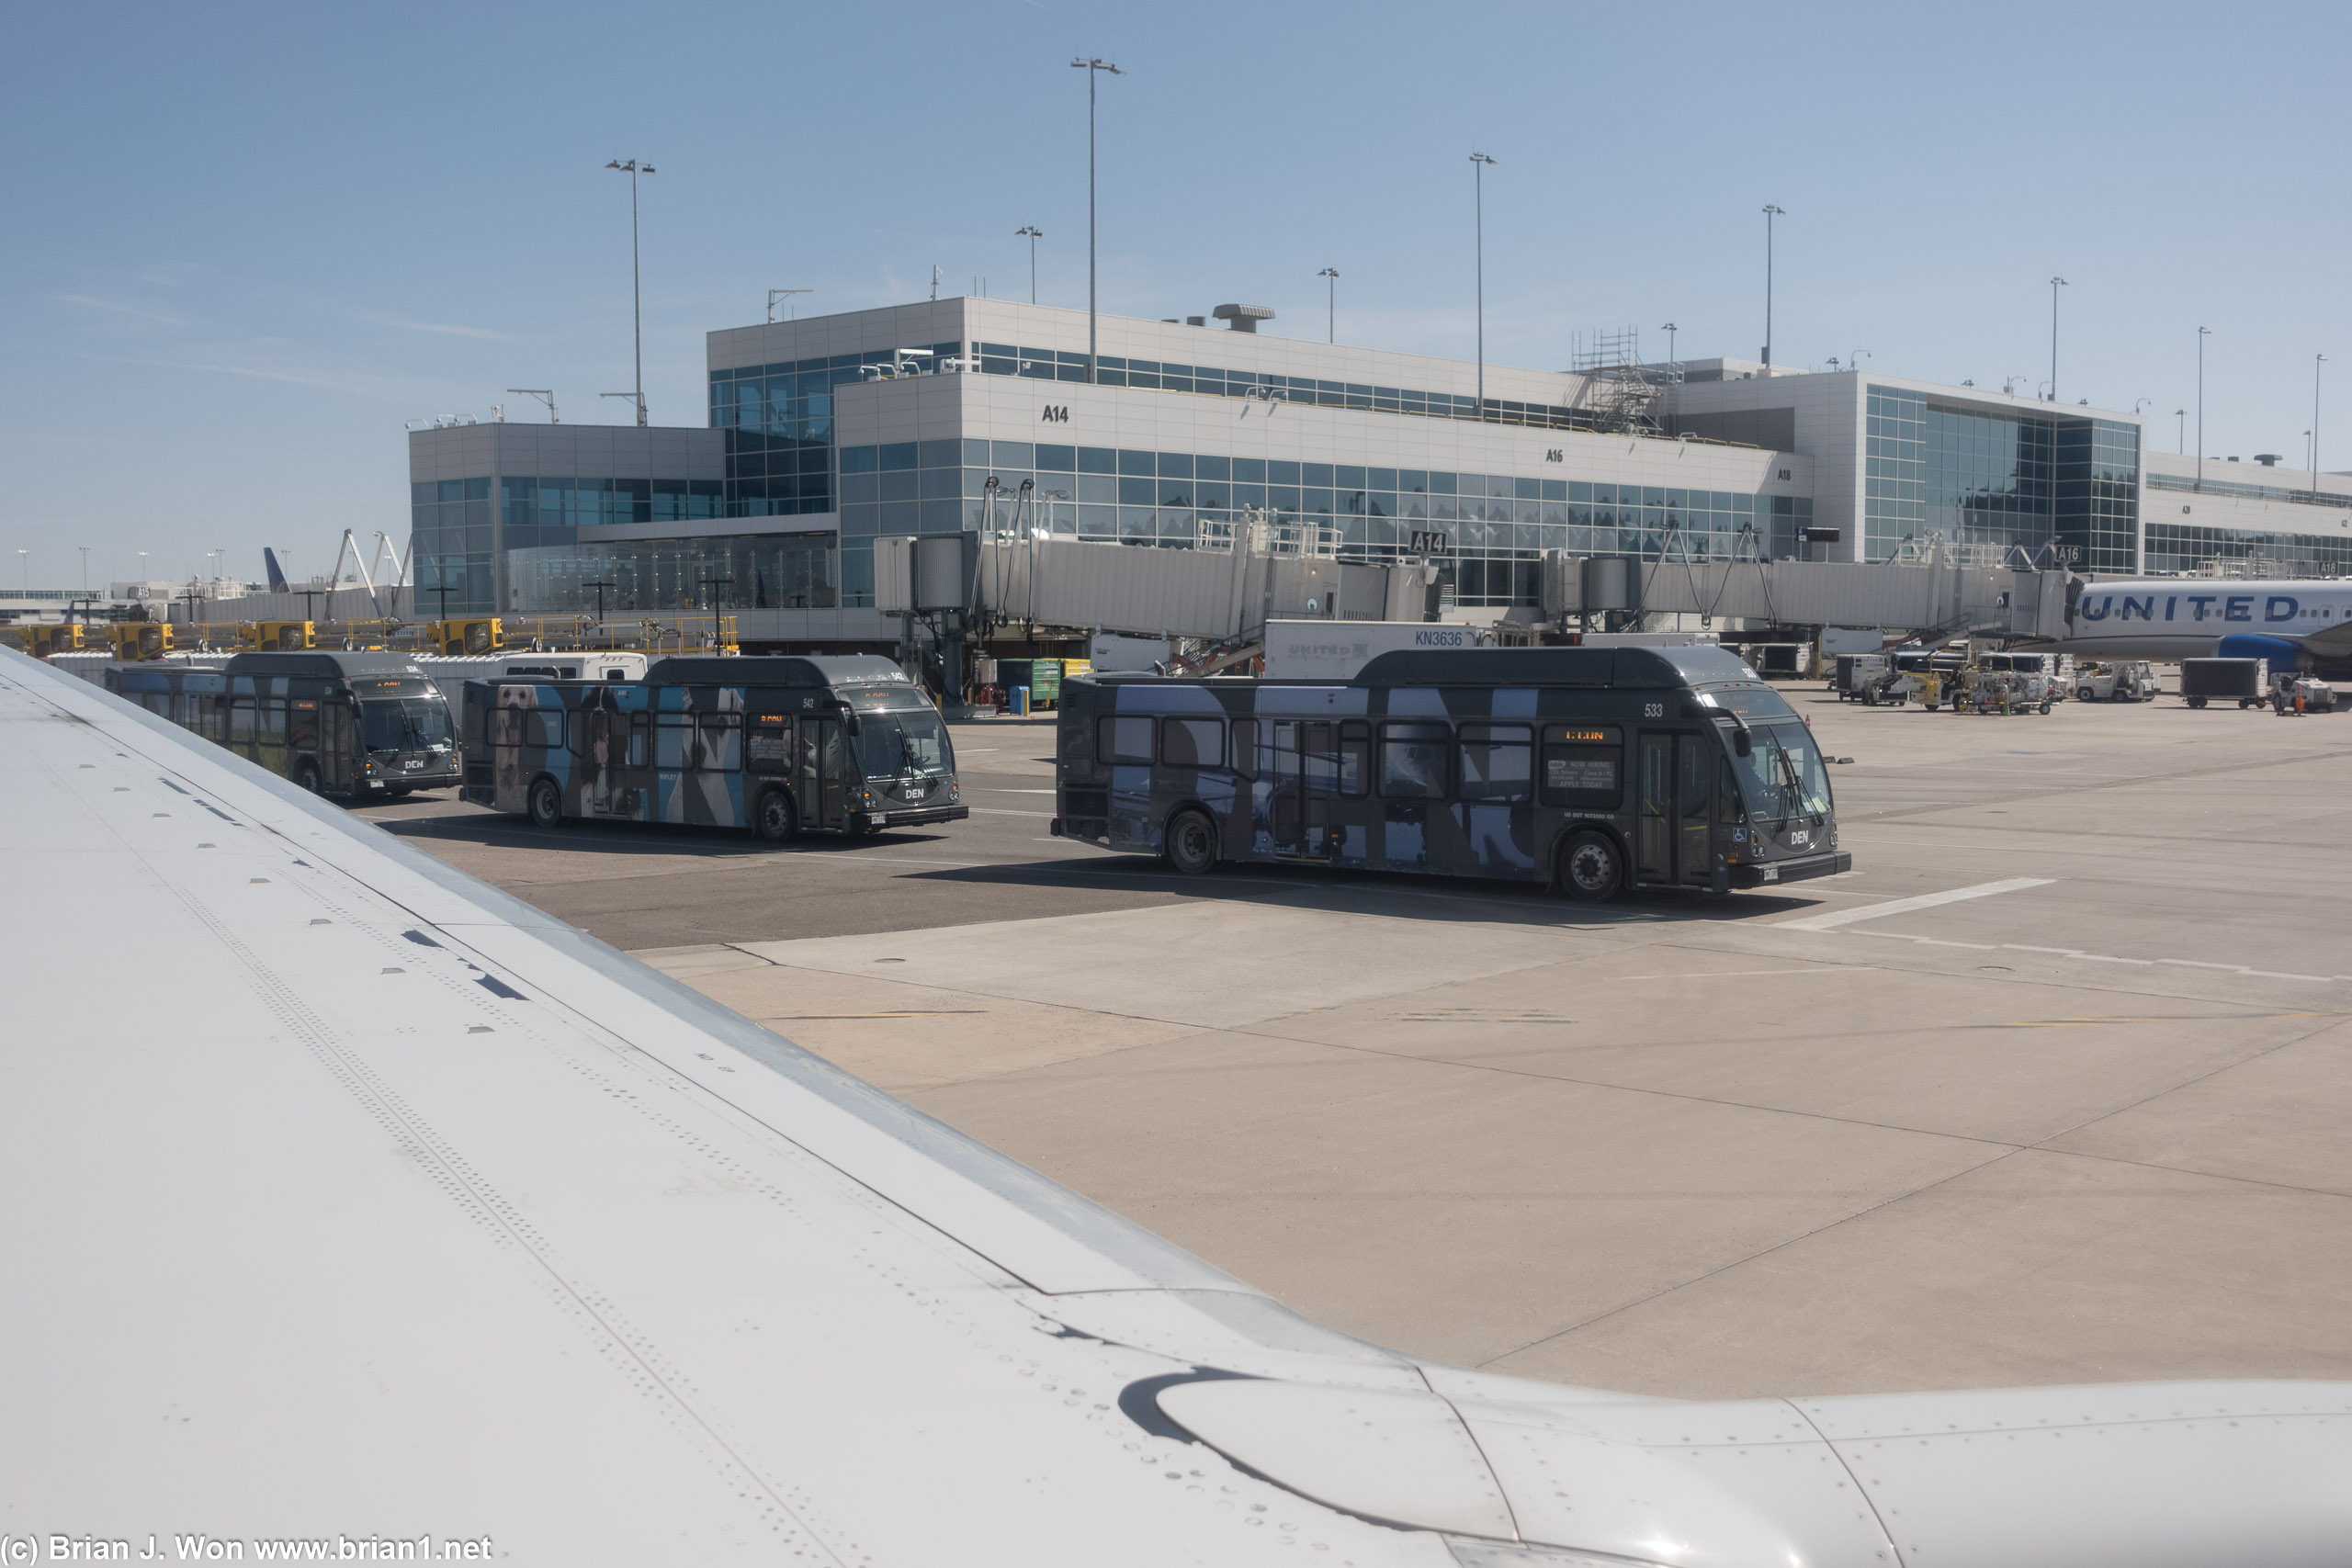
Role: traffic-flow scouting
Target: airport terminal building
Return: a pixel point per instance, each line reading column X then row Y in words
column 966, row 414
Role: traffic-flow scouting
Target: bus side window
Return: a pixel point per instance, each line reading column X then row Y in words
column 1123, row 738
column 1412, row 760
column 1245, row 746
column 241, row 722
column 1497, row 761
column 1191, row 743
column 543, row 728
column 672, row 738
column 721, row 747
column 1355, row 758
column 1729, row 806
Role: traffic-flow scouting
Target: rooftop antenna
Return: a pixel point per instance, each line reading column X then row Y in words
column 784, row 294
column 544, row 394
column 935, row 280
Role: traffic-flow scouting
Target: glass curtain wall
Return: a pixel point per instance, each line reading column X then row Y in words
column 2097, row 510
column 1047, row 365
column 451, row 546
column 1974, row 476
column 2244, row 552
column 743, row 572
column 779, row 424
column 1491, row 527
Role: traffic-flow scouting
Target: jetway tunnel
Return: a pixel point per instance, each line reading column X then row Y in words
column 1231, row 590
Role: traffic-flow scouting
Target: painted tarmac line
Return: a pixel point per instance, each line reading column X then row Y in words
column 2237, row 970
column 1737, row 974
column 1905, row 906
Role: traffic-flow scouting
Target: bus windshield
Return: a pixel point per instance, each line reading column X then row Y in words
column 908, row 741
column 404, row 724
column 1783, row 774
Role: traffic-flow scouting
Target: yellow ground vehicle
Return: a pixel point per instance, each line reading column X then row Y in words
column 140, row 640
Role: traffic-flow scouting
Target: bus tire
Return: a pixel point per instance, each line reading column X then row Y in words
column 775, row 820
column 545, row 801
column 306, row 778
column 1191, row 845
column 1592, row 870
column 2197, row 701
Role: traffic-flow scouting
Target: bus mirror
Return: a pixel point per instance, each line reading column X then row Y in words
column 1742, row 743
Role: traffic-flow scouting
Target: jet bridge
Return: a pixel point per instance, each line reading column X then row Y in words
column 1218, row 590
column 1932, row 598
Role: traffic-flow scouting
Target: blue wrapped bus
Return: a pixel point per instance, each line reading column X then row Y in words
column 779, row 747
column 1591, row 768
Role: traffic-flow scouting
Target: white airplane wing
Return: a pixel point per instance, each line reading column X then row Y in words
column 349, row 1201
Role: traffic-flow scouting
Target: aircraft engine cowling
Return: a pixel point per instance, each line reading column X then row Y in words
column 2283, row 655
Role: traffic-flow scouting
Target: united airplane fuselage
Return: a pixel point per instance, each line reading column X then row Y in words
column 2190, row 618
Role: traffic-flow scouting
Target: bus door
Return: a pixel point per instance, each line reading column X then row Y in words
column 609, row 784
column 1306, row 777
column 824, row 766
column 336, row 770
column 1674, row 796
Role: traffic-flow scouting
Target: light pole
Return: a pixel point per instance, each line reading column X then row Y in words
column 1669, row 330
column 1092, row 68
column 86, row 567
column 1479, row 164
column 2317, row 360
column 1330, row 303
column 1033, row 234
column 24, row 567
column 2203, row 333
column 2055, row 285
column 1770, row 212
column 2180, row 435
column 632, row 168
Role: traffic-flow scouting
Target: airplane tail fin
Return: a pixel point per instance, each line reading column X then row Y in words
column 276, row 573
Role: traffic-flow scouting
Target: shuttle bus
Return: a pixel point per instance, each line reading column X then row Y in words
column 1592, row 770
column 778, row 747
column 359, row 726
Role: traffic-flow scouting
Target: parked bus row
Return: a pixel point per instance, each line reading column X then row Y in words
column 1597, row 770
column 360, row 726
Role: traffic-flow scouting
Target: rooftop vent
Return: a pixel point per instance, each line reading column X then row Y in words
column 1196, row 321
column 1243, row 318
column 2267, row 460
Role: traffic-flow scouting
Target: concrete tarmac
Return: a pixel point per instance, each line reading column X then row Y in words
column 2085, row 1123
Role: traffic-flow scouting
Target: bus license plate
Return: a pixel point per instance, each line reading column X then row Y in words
column 1771, row 874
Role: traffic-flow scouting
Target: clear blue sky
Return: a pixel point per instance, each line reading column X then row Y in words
column 248, row 242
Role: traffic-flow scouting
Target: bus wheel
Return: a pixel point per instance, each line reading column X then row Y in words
column 776, row 820
column 547, row 803
column 306, row 778
column 1192, row 843
column 1590, row 871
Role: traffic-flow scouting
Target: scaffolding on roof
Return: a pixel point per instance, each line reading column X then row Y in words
column 1620, row 395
